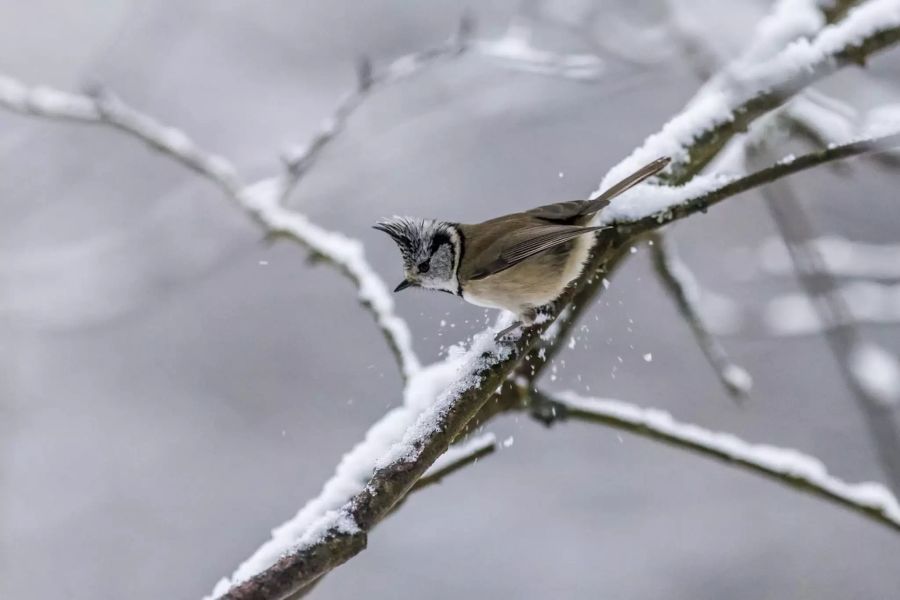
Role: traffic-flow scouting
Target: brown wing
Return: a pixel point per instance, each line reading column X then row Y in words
column 564, row 212
column 523, row 244
column 569, row 212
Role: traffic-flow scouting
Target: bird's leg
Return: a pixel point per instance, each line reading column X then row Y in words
column 509, row 329
column 526, row 318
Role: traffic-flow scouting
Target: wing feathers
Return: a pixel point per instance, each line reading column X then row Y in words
column 537, row 240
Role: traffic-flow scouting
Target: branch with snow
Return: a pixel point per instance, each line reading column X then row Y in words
column 332, row 540
column 441, row 400
column 660, row 205
column 718, row 113
column 484, row 367
column 682, row 286
column 783, row 465
column 261, row 200
column 822, row 120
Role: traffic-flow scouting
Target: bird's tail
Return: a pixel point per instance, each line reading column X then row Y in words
column 629, row 182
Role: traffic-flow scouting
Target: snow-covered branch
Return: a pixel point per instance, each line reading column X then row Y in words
column 456, row 457
column 261, row 200
column 716, row 115
column 663, row 204
column 783, row 465
column 694, row 139
column 681, row 285
column 101, row 107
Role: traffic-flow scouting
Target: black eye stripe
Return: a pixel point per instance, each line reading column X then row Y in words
column 424, row 266
column 438, row 240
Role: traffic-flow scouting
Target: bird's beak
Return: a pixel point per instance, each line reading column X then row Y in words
column 403, row 285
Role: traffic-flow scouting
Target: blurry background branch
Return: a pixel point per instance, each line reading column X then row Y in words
column 782, row 465
column 845, row 341
column 680, row 284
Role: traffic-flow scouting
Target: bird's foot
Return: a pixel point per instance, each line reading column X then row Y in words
column 502, row 334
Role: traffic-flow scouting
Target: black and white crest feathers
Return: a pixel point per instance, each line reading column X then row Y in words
column 416, row 238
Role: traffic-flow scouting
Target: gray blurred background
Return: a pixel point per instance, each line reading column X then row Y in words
column 171, row 387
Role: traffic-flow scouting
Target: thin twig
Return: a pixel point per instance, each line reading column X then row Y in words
column 783, row 465
column 680, row 283
column 298, row 160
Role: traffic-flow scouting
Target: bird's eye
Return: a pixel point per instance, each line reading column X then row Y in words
column 424, row 266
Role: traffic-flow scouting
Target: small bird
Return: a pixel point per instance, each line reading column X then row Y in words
column 517, row 262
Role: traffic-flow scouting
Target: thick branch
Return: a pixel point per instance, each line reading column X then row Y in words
column 782, row 465
column 680, row 284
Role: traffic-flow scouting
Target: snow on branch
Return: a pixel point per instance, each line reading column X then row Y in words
column 646, row 208
column 487, row 364
column 714, row 117
column 340, row 533
column 783, row 465
column 261, row 200
column 101, row 107
column 682, row 286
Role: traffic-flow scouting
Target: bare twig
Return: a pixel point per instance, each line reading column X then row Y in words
column 456, row 457
column 299, row 159
column 783, row 465
column 680, row 284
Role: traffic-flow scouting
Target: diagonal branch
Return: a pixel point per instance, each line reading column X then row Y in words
column 712, row 119
column 783, row 465
column 680, row 284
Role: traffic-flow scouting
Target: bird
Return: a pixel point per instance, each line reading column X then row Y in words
column 519, row 262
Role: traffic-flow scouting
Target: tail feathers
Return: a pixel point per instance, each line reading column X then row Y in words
column 626, row 184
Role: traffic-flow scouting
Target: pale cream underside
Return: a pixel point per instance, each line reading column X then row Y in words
column 530, row 284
